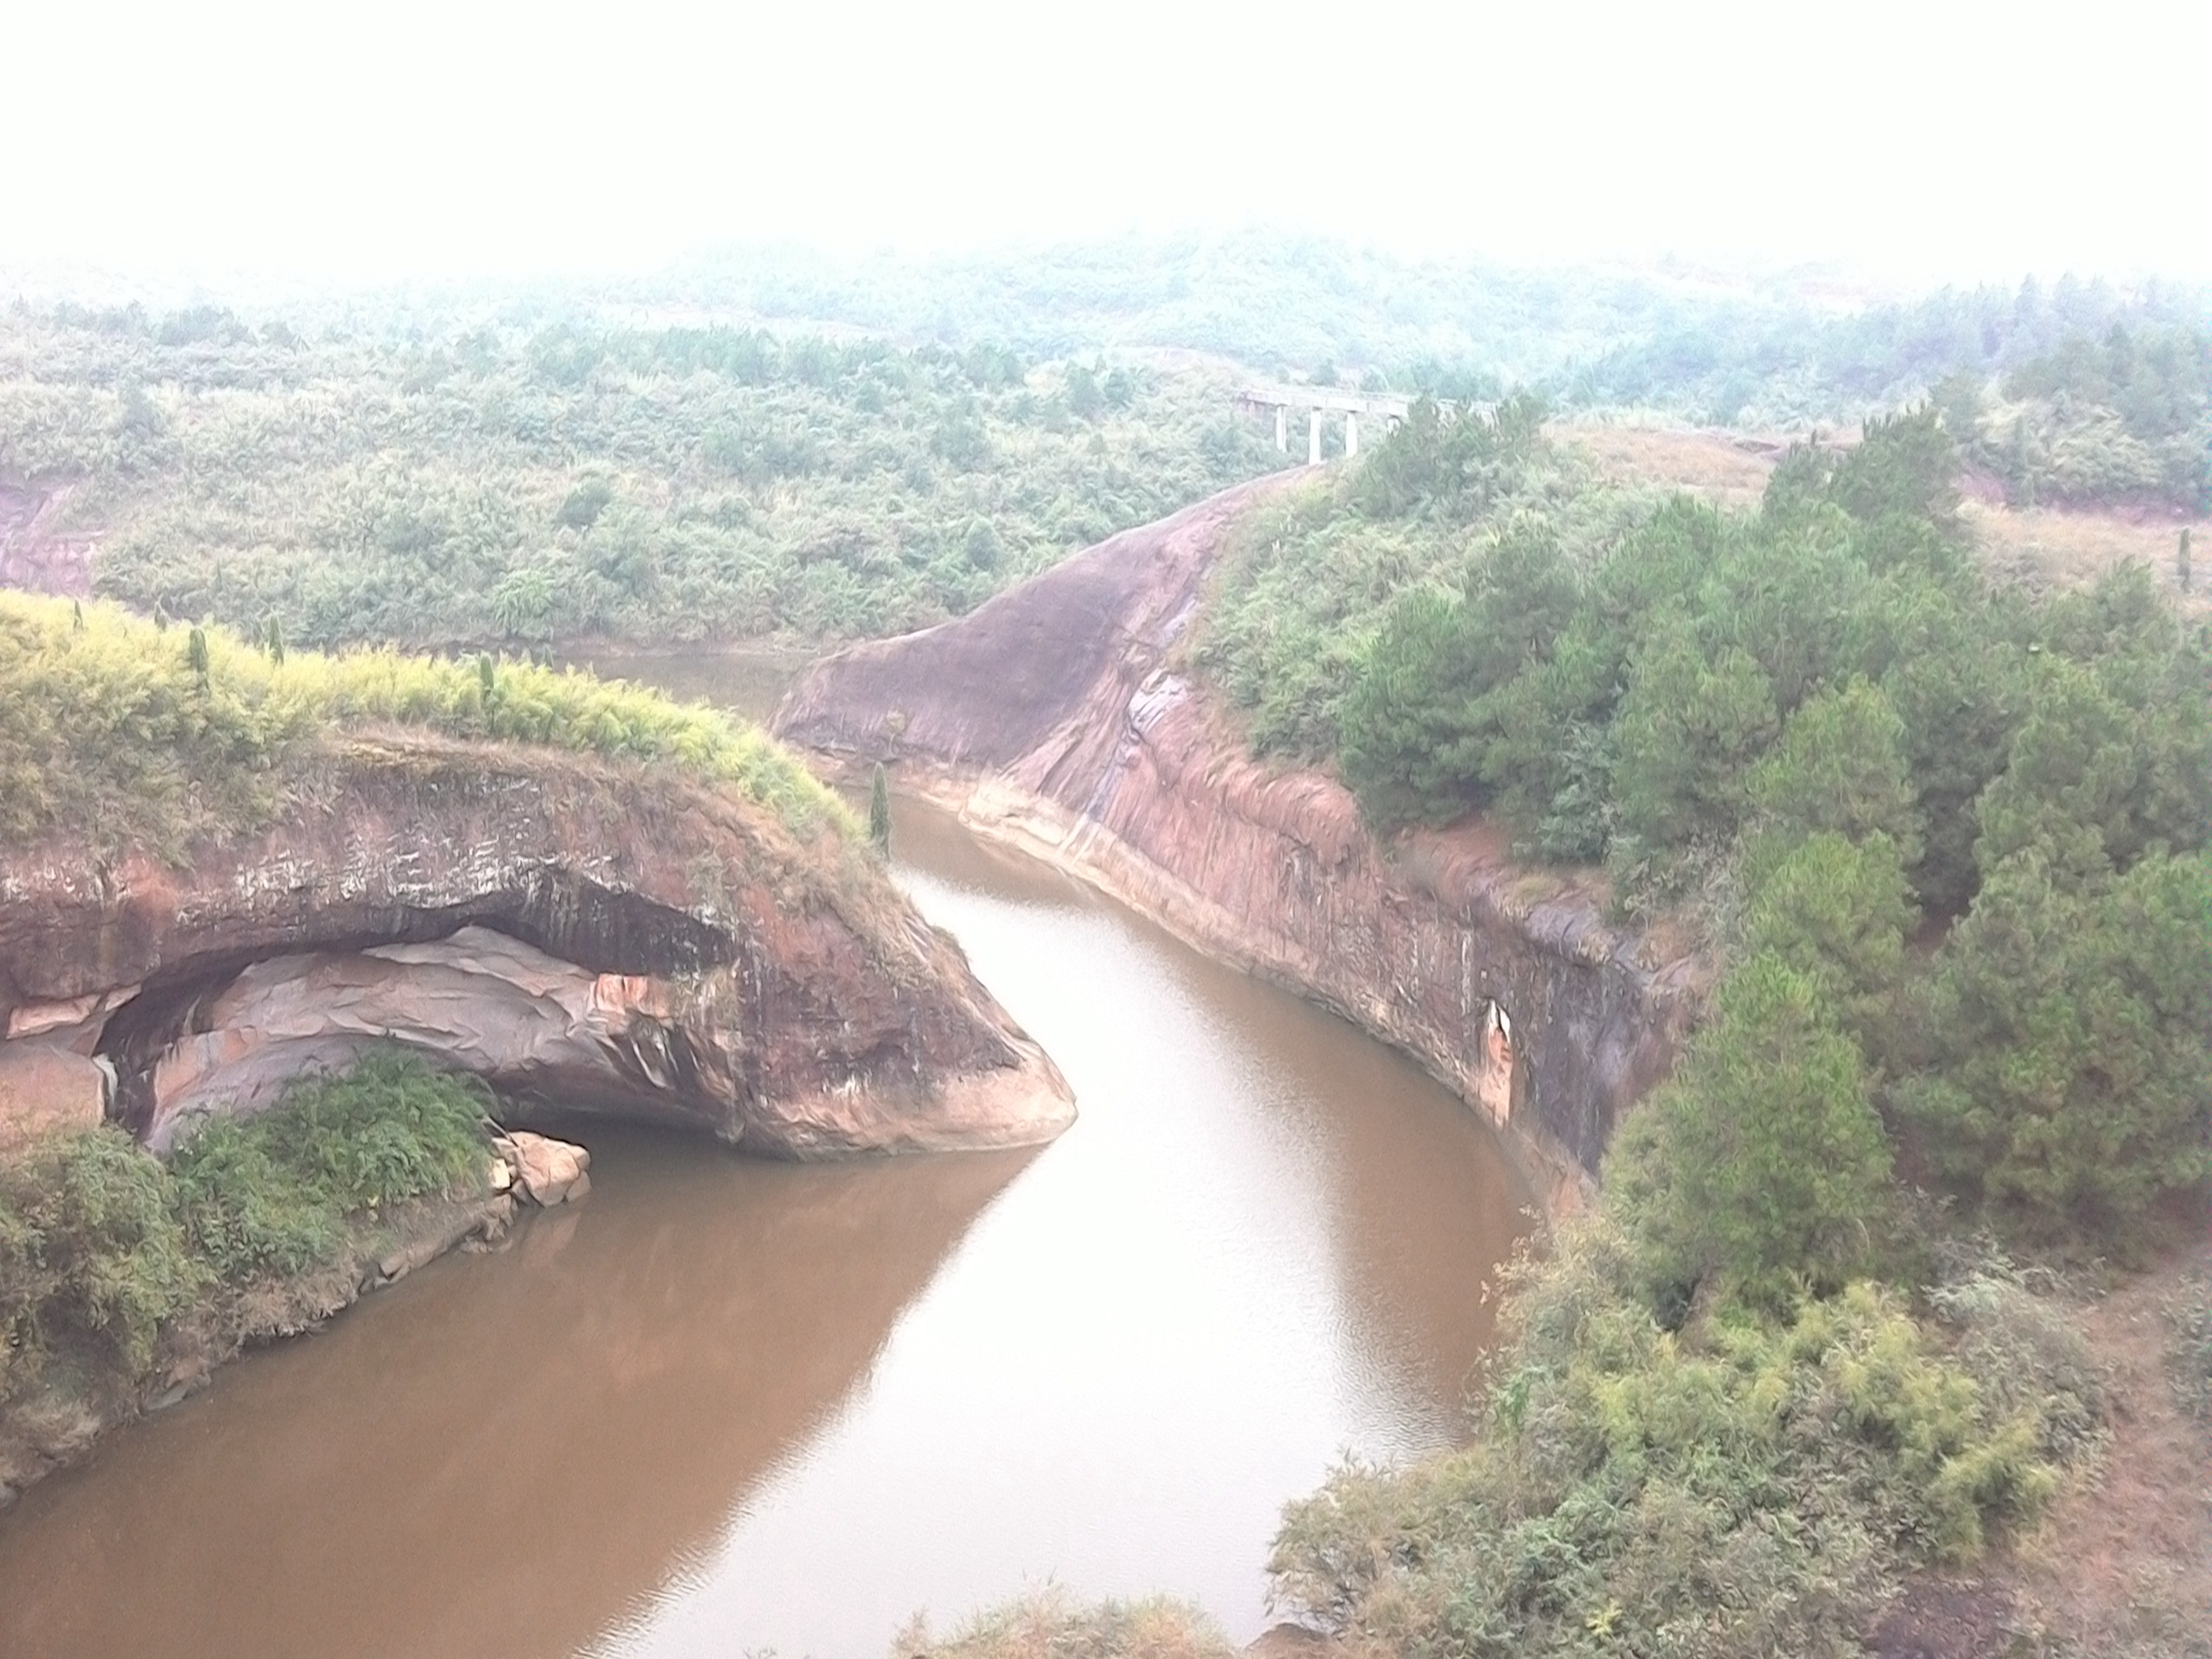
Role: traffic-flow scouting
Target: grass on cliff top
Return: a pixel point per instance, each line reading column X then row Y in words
column 122, row 731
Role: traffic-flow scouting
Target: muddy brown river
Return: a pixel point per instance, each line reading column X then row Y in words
column 727, row 1406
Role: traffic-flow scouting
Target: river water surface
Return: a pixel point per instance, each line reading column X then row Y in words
column 726, row 1407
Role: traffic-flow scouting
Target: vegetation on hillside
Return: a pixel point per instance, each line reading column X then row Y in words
column 1948, row 838
column 103, row 1248
column 1708, row 347
column 122, row 731
column 1050, row 1624
column 1825, row 722
column 1775, row 1372
column 1767, row 361
column 1311, row 579
column 2127, row 418
column 487, row 482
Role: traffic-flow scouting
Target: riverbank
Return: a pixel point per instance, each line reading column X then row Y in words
column 231, row 873
column 1054, row 719
column 125, row 1282
column 1708, row 1382
column 800, row 1401
column 45, row 1429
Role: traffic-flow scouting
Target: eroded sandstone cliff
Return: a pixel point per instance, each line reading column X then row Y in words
column 1055, row 716
column 573, row 931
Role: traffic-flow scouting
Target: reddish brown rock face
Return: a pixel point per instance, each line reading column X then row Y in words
column 32, row 556
column 1051, row 715
column 577, row 934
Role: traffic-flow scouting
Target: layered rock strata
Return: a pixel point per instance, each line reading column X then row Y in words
column 1057, row 716
column 576, row 932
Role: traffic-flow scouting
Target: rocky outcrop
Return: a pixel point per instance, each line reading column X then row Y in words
column 542, row 1170
column 1055, row 715
column 575, row 932
column 35, row 556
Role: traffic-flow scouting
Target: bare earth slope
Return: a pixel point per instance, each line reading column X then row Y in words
column 1053, row 716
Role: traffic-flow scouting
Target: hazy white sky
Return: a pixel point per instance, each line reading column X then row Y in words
column 1920, row 140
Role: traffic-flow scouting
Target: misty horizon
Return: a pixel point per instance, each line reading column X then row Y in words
column 241, row 144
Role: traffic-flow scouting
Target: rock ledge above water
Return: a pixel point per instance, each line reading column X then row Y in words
column 580, row 933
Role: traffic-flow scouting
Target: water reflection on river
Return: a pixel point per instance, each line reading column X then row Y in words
column 728, row 1406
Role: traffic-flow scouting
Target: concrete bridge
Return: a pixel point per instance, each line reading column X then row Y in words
column 1316, row 400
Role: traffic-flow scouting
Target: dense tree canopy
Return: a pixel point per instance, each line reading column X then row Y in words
column 2123, row 417
column 1826, row 710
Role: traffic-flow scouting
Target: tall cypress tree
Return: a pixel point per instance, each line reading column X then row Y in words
column 879, row 811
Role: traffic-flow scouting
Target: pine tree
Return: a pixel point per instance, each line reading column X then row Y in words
column 195, row 655
column 276, row 640
column 879, row 811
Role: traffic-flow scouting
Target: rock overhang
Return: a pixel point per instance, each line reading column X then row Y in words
column 573, row 930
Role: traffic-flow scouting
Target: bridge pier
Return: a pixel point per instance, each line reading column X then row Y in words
column 1319, row 403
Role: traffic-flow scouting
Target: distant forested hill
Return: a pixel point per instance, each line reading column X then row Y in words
column 1712, row 349
column 764, row 440
column 2123, row 417
column 533, row 481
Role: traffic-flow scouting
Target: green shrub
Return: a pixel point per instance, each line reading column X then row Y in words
column 92, row 1232
column 246, row 1214
column 100, row 1244
column 1958, row 687
column 1689, row 727
column 392, row 1127
column 2028, row 1355
column 1453, row 468
column 270, row 1194
column 2071, row 1085
column 1761, row 1161
column 1745, row 1487
column 1839, row 914
column 1639, row 684
column 22, row 1289
column 1954, row 1466
column 2121, row 419
column 106, row 729
column 1052, row 1625
column 1840, row 766
column 2113, row 756
column 879, row 811
column 1417, row 718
